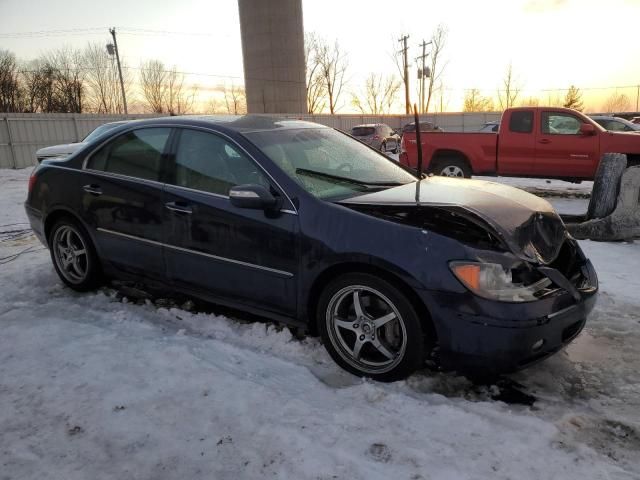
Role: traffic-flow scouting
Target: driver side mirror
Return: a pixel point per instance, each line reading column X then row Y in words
column 587, row 129
column 252, row 196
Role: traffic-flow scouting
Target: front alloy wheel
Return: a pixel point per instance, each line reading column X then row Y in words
column 370, row 328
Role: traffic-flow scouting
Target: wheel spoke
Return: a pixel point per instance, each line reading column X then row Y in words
column 67, row 238
column 346, row 324
column 77, row 268
column 356, row 349
column 379, row 322
column 79, row 252
column 357, row 304
column 382, row 349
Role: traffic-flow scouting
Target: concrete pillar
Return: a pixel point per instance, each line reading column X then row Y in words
column 273, row 55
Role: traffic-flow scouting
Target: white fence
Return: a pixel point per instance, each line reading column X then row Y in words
column 21, row 134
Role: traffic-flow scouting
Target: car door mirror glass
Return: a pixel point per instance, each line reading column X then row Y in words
column 252, row 196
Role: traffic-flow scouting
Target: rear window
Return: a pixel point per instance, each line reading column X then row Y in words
column 424, row 126
column 521, row 121
column 362, row 131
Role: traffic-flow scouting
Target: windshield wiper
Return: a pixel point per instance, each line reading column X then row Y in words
column 315, row 173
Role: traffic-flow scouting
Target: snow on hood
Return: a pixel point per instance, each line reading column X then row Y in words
column 528, row 225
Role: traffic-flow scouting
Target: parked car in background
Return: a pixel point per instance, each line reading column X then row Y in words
column 424, row 127
column 302, row 224
column 616, row 124
column 635, row 120
column 543, row 142
column 377, row 135
column 490, row 127
column 69, row 148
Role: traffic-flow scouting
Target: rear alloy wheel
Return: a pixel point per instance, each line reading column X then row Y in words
column 73, row 256
column 383, row 147
column 452, row 168
column 369, row 328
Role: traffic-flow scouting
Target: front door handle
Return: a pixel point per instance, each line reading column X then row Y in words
column 93, row 189
column 179, row 207
column 545, row 140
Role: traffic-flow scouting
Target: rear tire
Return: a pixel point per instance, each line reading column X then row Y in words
column 370, row 328
column 451, row 167
column 383, row 147
column 73, row 255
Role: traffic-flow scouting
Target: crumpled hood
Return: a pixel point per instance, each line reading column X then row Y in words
column 65, row 149
column 528, row 225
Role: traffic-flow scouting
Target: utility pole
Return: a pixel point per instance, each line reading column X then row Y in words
column 637, row 98
column 112, row 31
column 405, row 69
column 423, row 73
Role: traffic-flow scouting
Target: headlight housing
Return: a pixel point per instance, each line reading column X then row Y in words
column 495, row 282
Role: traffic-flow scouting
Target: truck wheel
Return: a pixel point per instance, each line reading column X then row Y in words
column 452, row 167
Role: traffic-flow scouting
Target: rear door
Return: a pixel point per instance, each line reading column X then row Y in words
column 516, row 144
column 123, row 200
column 561, row 150
column 239, row 255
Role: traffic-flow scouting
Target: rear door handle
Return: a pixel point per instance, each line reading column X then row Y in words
column 545, row 140
column 179, row 207
column 93, row 189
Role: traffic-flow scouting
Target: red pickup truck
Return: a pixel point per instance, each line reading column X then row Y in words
column 543, row 142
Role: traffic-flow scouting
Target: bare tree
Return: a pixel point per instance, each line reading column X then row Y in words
column 438, row 42
column 508, row 94
column 10, row 88
column 38, row 80
column 617, row 102
column 67, row 67
column 573, row 99
column 316, row 89
column 102, row 83
column 379, row 94
column 179, row 98
column 474, row 101
column 154, row 85
column 333, row 66
column 235, row 99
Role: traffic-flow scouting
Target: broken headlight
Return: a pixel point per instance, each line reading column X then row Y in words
column 495, row 282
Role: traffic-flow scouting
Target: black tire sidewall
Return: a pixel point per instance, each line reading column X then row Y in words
column 94, row 275
column 415, row 349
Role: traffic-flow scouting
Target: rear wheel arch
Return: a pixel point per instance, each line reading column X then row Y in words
column 335, row 271
column 59, row 213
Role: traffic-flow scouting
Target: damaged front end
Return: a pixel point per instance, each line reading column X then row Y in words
column 516, row 263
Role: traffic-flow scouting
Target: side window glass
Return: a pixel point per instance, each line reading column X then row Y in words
column 208, row 162
column 521, row 121
column 135, row 154
column 560, row 124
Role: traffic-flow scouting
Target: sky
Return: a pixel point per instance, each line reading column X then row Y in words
column 551, row 44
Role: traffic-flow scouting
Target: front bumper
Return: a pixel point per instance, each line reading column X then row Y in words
column 485, row 337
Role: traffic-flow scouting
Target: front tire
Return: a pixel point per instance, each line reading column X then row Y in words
column 370, row 328
column 73, row 256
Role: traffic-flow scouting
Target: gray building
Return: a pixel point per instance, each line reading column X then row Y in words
column 273, row 55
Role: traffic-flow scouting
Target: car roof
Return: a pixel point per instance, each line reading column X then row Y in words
column 606, row 117
column 238, row 123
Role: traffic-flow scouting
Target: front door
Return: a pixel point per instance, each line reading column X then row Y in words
column 561, row 150
column 123, row 200
column 240, row 255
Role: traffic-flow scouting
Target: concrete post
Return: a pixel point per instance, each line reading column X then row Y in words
column 273, row 56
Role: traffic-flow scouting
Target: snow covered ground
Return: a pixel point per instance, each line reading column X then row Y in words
column 95, row 386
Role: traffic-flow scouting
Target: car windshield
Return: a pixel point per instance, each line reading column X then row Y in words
column 329, row 164
column 99, row 131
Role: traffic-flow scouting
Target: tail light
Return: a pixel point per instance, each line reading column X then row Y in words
column 32, row 180
column 376, row 137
